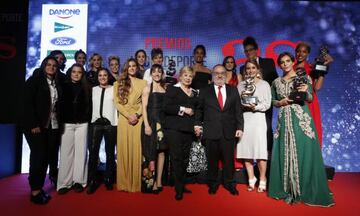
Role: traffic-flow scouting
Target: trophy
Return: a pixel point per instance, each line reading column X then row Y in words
column 170, row 72
column 319, row 67
column 247, row 95
column 301, row 78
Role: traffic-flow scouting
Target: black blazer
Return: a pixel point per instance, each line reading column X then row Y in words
column 219, row 123
column 174, row 98
column 268, row 69
column 76, row 105
column 37, row 101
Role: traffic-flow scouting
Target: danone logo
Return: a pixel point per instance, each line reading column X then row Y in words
column 63, row 41
column 61, row 27
column 64, row 13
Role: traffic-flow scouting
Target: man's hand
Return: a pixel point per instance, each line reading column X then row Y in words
column 238, row 133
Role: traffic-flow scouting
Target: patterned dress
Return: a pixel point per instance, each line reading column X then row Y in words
column 297, row 171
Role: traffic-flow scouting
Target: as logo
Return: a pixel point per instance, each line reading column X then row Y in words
column 63, row 41
column 61, row 27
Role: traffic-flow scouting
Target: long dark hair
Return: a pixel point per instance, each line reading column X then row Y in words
column 225, row 60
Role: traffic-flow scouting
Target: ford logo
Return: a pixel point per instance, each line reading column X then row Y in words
column 63, row 41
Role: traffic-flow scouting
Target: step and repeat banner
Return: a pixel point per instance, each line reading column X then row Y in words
column 111, row 27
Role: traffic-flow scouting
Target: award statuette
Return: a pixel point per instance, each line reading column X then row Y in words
column 247, row 95
column 301, row 78
column 170, row 72
column 320, row 69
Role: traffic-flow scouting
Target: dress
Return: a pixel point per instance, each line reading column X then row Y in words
column 314, row 106
column 234, row 80
column 129, row 157
column 253, row 143
column 151, row 144
column 297, row 170
column 200, row 80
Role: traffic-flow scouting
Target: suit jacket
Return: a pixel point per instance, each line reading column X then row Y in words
column 268, row 69
column 174, row 98
column 37, row 102
column 219, row 123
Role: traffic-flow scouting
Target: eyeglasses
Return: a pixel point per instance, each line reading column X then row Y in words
column 222, row 73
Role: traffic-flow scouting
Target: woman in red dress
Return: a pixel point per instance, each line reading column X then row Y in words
column 302, row 52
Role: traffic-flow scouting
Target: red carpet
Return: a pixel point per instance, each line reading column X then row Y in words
column 14, row 200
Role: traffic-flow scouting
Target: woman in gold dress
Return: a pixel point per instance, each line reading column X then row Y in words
column 127, row 98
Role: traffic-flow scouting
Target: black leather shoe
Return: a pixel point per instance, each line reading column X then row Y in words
column 78, row 188
column 213, row 189
column 91, row 188
column 45, row 194
column 232, row 190
column 63, row 191
column 187, row 191
column 109, row 185
column 179, row 196
column 39, row 199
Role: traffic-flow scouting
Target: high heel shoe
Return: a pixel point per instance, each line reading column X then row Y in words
column 252, row 183
column 262, row 186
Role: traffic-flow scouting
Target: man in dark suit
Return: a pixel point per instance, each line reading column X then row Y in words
column 219, row 117
column 269, row 74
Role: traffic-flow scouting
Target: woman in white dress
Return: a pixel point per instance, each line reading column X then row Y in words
column 253, row 144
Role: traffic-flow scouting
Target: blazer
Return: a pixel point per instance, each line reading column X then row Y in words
column 174, row 98
column 37, row 101
column 219, row 123
column 268, row 69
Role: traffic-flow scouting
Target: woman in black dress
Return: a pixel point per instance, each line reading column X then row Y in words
column 153, row 145
column 202, row 75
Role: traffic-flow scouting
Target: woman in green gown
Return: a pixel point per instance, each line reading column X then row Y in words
column 297, row 171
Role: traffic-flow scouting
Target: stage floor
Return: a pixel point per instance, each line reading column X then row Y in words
column 14, row 200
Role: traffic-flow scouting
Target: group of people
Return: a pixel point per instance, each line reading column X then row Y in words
column 144, row 118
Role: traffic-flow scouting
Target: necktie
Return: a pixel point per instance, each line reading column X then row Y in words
column 220, row 98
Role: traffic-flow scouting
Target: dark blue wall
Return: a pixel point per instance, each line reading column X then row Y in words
column 7, row 149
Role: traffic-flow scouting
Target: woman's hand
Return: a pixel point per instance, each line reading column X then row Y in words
column 148, row 130
column 250, row 106
column 302, row 88
column 285, row 101
column 35, row 130
column 132, row 119
column 189, row 111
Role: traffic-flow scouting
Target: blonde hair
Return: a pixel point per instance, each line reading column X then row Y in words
column 186, row 69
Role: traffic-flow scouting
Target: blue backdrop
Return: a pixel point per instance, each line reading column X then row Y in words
column 122, row 27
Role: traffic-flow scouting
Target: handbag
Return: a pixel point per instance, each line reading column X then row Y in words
column 147, row 179
column 197, row 158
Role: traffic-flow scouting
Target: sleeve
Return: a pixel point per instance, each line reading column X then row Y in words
column 274, row 96
column 239, row 112
column 171, row 105
column 310, row 89
column 138, row 109
column 273, row 72
column 264, row 98
column 199, row 109
column 31, row 120
column 123, row 110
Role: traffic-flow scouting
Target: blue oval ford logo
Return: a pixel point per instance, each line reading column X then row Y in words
column 63, row 41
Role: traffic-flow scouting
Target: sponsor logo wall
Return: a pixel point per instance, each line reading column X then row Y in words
column 64, row 27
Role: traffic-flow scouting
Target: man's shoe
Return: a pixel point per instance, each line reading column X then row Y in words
column 91, row 188
column 109, row 185
column 187, row 191
column 39, row 199
column 179, row 196
column 78, row 188
column 213, row 189
column 232, row 190
column 63, row 190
